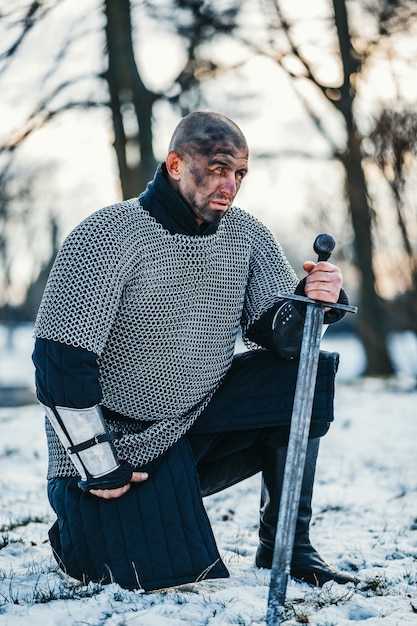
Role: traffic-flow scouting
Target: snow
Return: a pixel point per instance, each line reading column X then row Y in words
column 365, row 519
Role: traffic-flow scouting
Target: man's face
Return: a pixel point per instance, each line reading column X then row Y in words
column 209, row 184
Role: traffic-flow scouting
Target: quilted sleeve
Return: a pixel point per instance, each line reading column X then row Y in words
column 65, row 375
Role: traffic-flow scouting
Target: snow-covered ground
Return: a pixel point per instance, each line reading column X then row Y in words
column 365, row 519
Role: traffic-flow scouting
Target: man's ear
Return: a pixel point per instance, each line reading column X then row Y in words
column 175, row 165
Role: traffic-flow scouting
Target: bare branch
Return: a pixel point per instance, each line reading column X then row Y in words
column 296, row 51
column 35, row 11
column 39, row 118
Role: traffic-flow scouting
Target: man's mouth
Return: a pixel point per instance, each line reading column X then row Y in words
column 220, row 204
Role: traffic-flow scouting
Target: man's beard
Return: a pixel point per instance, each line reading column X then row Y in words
column 204, row 213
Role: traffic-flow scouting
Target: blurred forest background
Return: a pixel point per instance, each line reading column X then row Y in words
column 325, row 91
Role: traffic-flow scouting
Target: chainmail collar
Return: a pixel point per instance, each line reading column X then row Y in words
column 169, row 209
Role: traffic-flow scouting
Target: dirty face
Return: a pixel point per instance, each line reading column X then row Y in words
column 209, row 181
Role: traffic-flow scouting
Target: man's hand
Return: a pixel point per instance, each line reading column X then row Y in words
column 324, row 281
column 108, row 494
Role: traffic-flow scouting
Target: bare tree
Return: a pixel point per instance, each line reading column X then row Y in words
column 18, row 177
column 128, row 94
column 195, row 22
column 394, row 149
column 354, row 50
column 18, row 188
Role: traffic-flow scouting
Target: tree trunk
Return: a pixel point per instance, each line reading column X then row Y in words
column 372, row 323
column 128, row 94
column 372, row 316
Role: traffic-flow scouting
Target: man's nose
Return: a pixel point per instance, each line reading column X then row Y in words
column 229, row 185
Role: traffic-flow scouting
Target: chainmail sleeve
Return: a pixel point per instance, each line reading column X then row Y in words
column 270, row 274
column 86, row 282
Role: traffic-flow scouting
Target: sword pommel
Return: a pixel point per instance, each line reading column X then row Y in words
column 324, row 246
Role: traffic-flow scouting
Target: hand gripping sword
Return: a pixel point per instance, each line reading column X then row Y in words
column 298, row 439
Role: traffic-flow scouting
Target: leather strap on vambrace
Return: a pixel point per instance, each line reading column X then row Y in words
column 80, row 447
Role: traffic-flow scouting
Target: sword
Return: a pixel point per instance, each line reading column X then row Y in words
column 298, row 439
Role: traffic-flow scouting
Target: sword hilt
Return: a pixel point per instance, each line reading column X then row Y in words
column 324, row 245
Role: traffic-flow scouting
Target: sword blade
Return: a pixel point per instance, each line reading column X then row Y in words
column 295, row 462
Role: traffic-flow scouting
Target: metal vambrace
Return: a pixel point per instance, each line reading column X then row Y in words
column 89, row 444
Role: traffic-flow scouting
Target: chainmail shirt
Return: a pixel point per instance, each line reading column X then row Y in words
column 161, row 311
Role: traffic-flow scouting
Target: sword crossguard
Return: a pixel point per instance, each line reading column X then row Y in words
column 333, row 305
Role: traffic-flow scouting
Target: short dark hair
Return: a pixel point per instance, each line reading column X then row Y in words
column 201, row 132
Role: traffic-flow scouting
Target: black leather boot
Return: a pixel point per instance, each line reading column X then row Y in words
column 306, row 565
